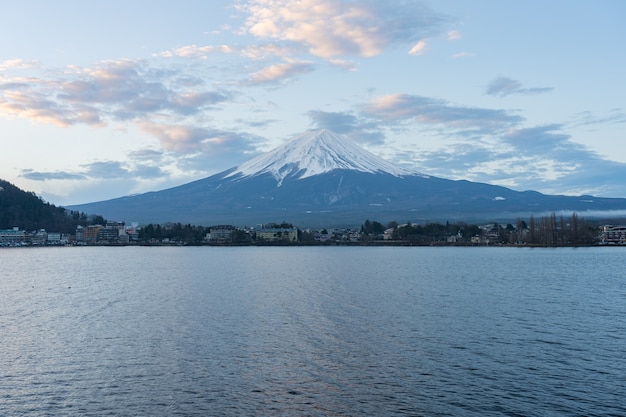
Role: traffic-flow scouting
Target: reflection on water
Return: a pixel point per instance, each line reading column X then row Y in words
column 312, row 331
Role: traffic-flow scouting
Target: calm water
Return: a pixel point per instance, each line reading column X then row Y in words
column 313, row 331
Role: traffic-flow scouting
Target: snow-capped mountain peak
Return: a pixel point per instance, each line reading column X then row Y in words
column 316, row 152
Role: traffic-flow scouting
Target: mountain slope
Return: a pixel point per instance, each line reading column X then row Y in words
column 321, row 179
column 316, row 152
column 22, row 209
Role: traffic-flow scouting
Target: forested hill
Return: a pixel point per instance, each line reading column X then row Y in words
column 26, row 211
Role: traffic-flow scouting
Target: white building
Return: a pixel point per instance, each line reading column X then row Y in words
column 614, row 234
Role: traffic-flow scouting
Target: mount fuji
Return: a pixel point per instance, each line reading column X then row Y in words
column 321, row 179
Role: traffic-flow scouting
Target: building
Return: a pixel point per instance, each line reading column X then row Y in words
column 220, row 234
column 12, row 237
column 614, row 234
column 113, row 232
column 55, row 238
column 79, row 236
column 90, row 234
column 278, row 234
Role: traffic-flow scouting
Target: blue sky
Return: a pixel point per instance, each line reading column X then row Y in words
column 100, row 100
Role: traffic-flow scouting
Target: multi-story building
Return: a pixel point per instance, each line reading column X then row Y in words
column 221, row 234
column 79, row 236
column 614, row 234
column 278, row 234
column 90, row 234
column 12, row 237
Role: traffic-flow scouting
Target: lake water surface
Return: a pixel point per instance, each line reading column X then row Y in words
column 313, row 331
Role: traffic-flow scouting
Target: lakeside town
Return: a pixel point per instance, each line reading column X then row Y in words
column 544, row 232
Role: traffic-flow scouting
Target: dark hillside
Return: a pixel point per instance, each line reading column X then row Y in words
column 26, row 211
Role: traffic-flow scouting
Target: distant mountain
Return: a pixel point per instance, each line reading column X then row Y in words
column 26, row 211
column 322, row 179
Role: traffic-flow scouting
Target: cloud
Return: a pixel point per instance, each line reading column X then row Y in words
column 220, row 150
column 587, row 118
column 463, row 54
column 99, row 170
column 176, row 138
column 337, row 122
column 540, row 158
column 20, row 64
column 198, row 52
column 454, row 35
column 195, row 141
column 394, row 108
column 342, row 63
column 32, row 98
column 418, row 49
column 503, row 86
column 51, row 175
column 129, row 89
column 106, row 170
column 333, row 28
column 359, row 130
column 543, row 140
column 265, row 51
column 147, row 155
column 277, row 73
column 109, row 91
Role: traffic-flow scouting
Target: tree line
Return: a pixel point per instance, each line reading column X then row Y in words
column 174, row 232
column 543, row 231
column 27, row 211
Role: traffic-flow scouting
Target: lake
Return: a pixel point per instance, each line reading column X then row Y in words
column 312, row 331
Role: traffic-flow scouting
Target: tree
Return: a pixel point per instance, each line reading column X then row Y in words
column 372, row 228
column 532, row 229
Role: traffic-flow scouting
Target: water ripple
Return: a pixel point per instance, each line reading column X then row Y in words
column 312, row 331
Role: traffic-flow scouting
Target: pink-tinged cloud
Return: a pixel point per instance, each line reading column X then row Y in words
column 280, row 72
column 28, row 104
column 198, row 52
column 204, row 149
column 418, row 49
column 333, row 28
column 19, row 64
column 109, row 91
column 182, row 139
column 263, row 52
column 463, row 54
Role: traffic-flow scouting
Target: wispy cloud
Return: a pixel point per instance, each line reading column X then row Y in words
column 588, row 118
column 335, row 121
column 543, row 140
column 266, row 51
column 200, row 52
column 18, row 64
column 418, row 49
column 278, row 73
column 177, row 138
column 348, row 124
column 99, row 170
column 463, row 54
column 454, row 35
column 196, row 140
column 526, row 158
column 504, row 86
column 107, row 170
column 334, row 28
column 31, row 174
column 395, row 108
